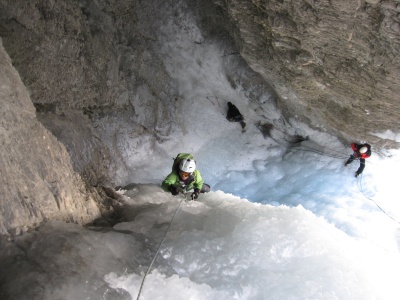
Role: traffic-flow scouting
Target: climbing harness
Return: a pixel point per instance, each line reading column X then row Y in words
column 159, row 246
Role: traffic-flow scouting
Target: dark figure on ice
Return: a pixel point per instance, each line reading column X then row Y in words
column 185, row 177
column 234, row 115
column 361, row 152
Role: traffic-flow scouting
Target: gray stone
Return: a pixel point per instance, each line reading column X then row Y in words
column 37, row 181
column 334, row 64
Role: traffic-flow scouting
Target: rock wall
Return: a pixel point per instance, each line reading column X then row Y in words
column 37, row 180
column 334, row 64
column 89, row 66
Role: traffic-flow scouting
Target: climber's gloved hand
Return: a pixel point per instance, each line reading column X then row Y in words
column 174, row 191
column 357, row 174
column 195, row 194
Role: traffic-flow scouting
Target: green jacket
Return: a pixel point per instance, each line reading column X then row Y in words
column 195, row 181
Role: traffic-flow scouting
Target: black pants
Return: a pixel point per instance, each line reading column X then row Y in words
column 239, row 119
column 362, row 163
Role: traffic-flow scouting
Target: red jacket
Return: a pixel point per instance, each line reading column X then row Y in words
column 357, row 147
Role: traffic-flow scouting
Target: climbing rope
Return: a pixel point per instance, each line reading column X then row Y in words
column 303, row 147
column 310, row 149
column 340, row 156
column 159, row 246
column 359, row 184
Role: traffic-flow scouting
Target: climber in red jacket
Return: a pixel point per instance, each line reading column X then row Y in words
column 361, row 152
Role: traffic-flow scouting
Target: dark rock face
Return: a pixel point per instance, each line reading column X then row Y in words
column 37, row 180
column 334, row 64
column 88, row 67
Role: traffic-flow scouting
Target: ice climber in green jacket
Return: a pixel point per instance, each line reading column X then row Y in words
column 185, row 177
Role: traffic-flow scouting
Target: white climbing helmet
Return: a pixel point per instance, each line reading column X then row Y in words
column 187, row 165
column 363, row 149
